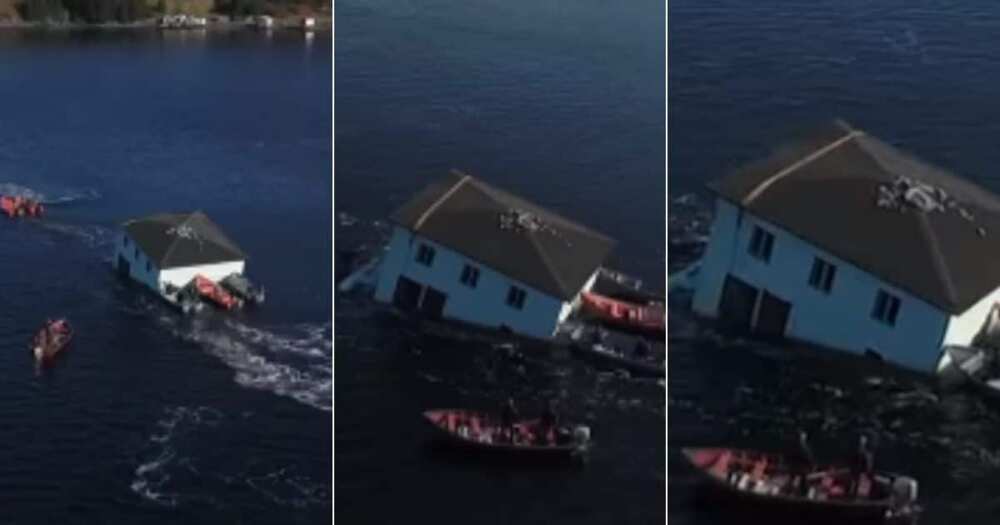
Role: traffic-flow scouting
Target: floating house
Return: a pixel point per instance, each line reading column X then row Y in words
column 843, row 241
column 165, row 252
column 466, row 251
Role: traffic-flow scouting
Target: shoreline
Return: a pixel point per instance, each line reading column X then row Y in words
column 322, row 25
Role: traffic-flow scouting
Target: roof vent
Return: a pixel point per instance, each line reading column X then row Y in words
column 183, row 231
column 523, row 221
column 905, row 193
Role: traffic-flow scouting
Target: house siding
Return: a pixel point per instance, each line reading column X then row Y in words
column 840, row 319
column 484, row 305
column 126, row 248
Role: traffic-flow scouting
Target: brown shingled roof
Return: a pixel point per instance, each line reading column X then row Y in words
column 464, row 214
column 824, row 189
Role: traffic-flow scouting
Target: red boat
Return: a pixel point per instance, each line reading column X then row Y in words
column 482, row 432
column 17, row 206
column 761, row 482
column 646, row 318
column 51, row 339
column 214, row 293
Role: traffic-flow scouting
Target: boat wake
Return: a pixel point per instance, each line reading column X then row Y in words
column 64, row 197
column 167, row 463
column 294, row 362
column 160, row 458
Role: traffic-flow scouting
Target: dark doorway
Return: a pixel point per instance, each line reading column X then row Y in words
column 124, row 268
column 736, row 304
column 772, row 317
column 407, row 295
column 433, row 303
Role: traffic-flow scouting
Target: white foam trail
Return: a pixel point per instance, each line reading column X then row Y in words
column 254, row 354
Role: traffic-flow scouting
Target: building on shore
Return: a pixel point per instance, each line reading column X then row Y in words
column 466, row 251
column 841, row 240
column 165, row 252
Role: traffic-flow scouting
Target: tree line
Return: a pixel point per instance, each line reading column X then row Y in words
column 100, row 11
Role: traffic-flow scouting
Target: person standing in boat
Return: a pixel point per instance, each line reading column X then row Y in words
column 507, row 418
column 863, row 466
column 550, row 420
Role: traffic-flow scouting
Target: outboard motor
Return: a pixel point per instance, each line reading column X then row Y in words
column 904, row 501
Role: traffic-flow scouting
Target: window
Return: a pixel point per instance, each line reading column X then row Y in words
column 124, row 241
column 137, row 253
column 515, row 298
column 886, row 308
column 761, row 244
column 149, row 266
column 470, row 276
column 821, row 277
column 425, row 255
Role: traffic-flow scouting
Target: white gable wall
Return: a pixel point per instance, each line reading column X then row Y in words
column 841, row 319
column 486, row 304
column 963, row 328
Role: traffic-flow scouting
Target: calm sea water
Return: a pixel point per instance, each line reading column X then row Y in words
column 741, row 77
column 562, row 102
column 152, row 418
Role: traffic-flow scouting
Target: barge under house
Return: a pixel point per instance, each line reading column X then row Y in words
column 843, row 241
column 165, row 252
column 466, row 251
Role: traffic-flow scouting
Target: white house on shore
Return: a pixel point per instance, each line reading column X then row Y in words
column 843, row 241
column 466, row 251
column 168, row 250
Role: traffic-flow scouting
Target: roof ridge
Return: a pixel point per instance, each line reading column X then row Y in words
column 937, row 258
column 548, row 264
column 791, row 168
column 173, row 244
column 441, row 200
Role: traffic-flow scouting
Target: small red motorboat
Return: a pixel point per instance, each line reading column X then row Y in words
column 483, row 432
column 762, row 482
column 51, row 339
column 214, row 293
column 646, row 318
column 17, row 206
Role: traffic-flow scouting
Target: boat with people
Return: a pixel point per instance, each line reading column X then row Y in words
column 634, row 355
column 210, row 291
column 765, row 482
column 649, row 318
column 484, row 432
column 51, row 339
column 20, row 206
column 237, row 284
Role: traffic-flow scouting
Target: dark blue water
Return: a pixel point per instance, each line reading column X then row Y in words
column 742, row 77
column 563, row 103
column 152, row 418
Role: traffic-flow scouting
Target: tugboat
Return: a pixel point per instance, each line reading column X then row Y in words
column 238, row 285
column 215, row 294
column 17, row 206
column 648, row 319
column 51, row 339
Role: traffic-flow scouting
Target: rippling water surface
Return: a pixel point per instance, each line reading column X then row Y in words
column 151, row 417
column 742, row 77
column 563, row 103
